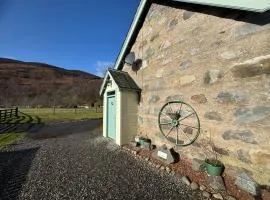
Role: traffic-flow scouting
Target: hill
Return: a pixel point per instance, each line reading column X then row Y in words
column 39, row 84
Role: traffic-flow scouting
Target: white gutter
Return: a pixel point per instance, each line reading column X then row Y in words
column 130, row 33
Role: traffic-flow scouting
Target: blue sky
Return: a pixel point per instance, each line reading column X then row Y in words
column 74, row 34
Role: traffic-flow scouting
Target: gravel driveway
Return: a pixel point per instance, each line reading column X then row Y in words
column 73, row 161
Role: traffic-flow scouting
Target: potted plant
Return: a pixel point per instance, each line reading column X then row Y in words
column 212, row 165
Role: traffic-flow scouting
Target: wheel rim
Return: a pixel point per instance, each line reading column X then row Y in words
column 179, row 123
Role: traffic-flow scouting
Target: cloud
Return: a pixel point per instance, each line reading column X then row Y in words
column 102, row 66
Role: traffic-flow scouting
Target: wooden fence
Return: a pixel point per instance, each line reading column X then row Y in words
column 8, row 113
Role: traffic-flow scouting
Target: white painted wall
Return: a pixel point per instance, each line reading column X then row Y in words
column 126, row 114
column 129, row 115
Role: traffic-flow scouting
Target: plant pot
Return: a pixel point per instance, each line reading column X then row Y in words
column 213, row 167
column 144, row 142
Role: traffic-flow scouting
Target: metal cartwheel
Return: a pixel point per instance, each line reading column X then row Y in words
column 179, row 123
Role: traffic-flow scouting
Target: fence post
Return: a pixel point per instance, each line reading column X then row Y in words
column 16, row 112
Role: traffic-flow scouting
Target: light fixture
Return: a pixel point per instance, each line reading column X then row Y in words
column 130, row 58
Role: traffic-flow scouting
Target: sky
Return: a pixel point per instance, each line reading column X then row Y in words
column 82, row 35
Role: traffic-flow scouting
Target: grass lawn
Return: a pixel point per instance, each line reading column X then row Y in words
column 44, row 115
column 60, row 114
column 10, row 138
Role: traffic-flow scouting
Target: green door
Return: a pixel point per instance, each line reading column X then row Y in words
column 111, row 115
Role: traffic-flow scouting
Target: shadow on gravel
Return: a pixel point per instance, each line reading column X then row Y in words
column 14, row 167
column 56, row 130
column 23, row 123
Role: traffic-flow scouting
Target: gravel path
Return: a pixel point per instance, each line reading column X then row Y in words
column 73, row 161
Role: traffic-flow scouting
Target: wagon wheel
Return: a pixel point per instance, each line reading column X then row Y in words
column 179, row 123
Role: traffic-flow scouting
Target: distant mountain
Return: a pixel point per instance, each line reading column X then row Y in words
column 39, row 84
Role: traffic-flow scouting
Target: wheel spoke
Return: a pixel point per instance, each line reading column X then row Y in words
column 166, row 115
column 170, row 131
column 179, row 111
column 188, row 126
column 176, row 136
column 186, row 117
column 186, row 135
column 165, row 123
column 170, row 107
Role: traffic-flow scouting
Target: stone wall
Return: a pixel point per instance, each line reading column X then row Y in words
column 219, row 62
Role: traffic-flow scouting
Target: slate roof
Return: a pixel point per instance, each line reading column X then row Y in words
column 123, row 80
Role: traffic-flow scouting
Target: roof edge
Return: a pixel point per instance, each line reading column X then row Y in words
column 101, row 90
column 142, row 8
column 220, row 5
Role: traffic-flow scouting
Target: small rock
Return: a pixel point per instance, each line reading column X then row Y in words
column 162, row 168
column 246, row 183
column 253, row 67
column 146, row 159
column 230, row 54
column 185, row 80
column 213, row 115
column 133, row 144
column 185, row 180
column 230, row 198
column 186, row 64
column 246, row 136
column 134, row 152
column 199, row 98
column 168, row 169
column 197, row 164
column 125, row 148
column 212, row 76
column 217, row 196
column 158, row 166
column 216, row 182
column 258, row 114
column 164, row 155
column 194, row 186
column 206, row 194
column 202, row 187
column 231, row 97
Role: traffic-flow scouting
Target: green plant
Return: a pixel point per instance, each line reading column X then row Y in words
column 214, row 162
column 213, row 166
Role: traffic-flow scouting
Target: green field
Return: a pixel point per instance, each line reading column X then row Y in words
column 60, row 114
column 45, row 115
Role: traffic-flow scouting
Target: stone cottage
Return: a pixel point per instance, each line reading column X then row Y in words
column 214, row 57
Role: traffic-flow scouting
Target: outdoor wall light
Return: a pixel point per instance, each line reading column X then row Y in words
column 135, row 64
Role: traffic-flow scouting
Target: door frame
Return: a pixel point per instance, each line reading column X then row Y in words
column 110, row 94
